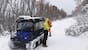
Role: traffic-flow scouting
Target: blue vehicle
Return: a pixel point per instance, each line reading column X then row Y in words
column 29, row 33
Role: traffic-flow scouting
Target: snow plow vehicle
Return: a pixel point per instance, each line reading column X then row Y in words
column 29, row 33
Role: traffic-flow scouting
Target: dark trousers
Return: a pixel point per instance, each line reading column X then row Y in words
column 45, row 37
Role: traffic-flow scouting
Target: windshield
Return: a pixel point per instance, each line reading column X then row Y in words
column 25, row 26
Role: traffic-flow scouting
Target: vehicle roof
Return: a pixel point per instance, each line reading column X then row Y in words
column 29, row 17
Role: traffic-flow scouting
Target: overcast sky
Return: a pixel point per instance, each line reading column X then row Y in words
column 67, row 5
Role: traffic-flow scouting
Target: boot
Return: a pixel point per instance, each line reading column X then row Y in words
column 45, row 46
column 50, row 34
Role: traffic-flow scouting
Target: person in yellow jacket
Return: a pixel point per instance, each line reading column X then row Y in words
column 46, row 28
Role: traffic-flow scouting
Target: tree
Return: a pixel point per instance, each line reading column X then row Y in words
column 84, row 2
column 63, row 13
column 11, row 9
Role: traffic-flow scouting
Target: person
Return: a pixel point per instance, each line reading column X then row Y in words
column 46, row 28
column 50, row 25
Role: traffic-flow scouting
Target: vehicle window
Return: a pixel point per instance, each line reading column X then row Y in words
column 38, row 25
column 24, row 26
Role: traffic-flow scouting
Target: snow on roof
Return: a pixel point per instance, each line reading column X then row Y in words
column 24, row 16
column 29, row 17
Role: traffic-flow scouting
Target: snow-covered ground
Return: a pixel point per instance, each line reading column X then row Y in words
column 58, row 41
column 4, row 41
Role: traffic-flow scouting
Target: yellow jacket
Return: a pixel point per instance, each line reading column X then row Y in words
column 46, row 24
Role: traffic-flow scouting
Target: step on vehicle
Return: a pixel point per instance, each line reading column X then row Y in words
column 29, row 33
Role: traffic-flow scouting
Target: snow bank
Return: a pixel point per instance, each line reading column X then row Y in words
column 4, row 41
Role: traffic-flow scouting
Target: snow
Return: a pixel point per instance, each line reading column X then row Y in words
column 5, row 32
column 29, row 17
column 24, row 16
column 4, row 41
column 58, row 40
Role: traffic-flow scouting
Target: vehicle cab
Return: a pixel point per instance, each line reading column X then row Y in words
column 28, row 28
